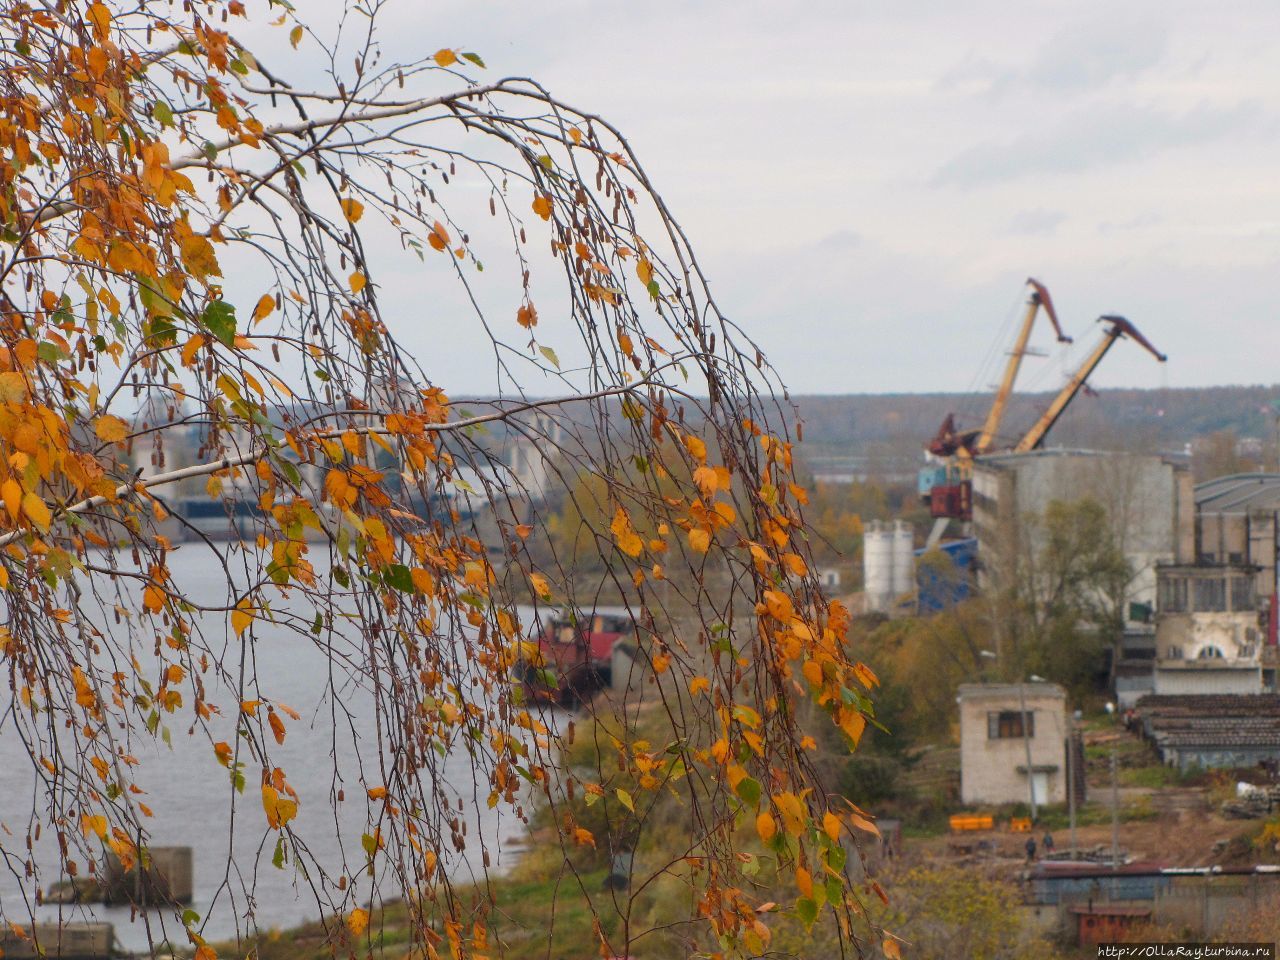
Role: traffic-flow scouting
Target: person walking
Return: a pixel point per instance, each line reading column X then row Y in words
column 1031, row 849
column 1047, row 843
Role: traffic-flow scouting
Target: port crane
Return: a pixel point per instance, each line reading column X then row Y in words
column 1118, row 328
column 948, row 486
column 949, row 442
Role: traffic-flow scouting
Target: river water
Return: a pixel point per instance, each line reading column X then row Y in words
column 190, row 796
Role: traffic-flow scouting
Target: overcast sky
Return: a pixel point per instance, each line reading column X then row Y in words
column 868, row 183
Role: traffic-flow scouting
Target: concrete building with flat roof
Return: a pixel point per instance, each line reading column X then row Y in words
column 1000, row 723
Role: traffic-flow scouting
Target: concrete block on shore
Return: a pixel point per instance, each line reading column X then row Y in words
column 167, row 877
column 69, row 941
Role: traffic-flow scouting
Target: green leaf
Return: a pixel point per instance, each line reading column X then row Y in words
column 189, row 917
column 370, row 844
column 474, row 58
column 807, row 910
column 50, row 352
column 550, row 355
column 220, row 319
column 163, row 114
column 162, row 331
column 277, row 859
column 654, row 290
column 624, row 798
column 398, row 577
column 341, row 575
column 749, row 790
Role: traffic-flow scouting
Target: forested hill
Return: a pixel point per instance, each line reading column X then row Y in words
column 1164, row 418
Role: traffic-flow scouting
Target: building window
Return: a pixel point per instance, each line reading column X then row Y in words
column 1211, row 594
column 1210, row 653
column 1007, row 724
column 1242, row 593
column 1173, row 595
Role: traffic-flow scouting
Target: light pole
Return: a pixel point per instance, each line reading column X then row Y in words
column 1026, row 741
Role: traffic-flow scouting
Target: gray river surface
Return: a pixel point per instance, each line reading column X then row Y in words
column 189, row 794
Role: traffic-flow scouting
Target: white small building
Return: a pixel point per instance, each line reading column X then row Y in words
column 1000, row 723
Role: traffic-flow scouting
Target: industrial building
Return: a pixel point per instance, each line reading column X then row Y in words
column 1216, row 606
column 1227, row 730
column 1148, row 499
column 1001, row 724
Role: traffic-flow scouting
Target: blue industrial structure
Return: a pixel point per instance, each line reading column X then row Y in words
column 940, row 586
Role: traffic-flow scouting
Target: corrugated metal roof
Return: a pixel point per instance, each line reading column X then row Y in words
column 1238, row 493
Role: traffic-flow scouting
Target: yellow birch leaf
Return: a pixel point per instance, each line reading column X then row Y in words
column 11, row 490
column 542, row 206
column 37, row 511
column 110, row 429
column 445, row 57
column 241, row 617
column 700, row 540
column 357, row 281
column 794, row 814
column 358, row 921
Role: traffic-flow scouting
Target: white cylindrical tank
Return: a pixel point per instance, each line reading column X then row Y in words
column 904, row 559
column 877, row 565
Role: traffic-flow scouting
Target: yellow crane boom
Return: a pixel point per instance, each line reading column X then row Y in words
column 1039, row 297
column 1119, row 327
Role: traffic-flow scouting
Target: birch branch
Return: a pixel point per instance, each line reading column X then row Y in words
column 253, row 456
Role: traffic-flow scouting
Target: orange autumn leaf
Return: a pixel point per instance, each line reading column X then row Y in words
column 266, row 303
column 699, row 540
column 527, row 316
column 357, row 280
column 628, row 540
column 445, row 57
column 352, row 209
column 542, row 206
column 438, row 237
column 765, row 826
column 277, row 726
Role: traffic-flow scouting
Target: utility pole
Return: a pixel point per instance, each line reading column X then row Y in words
column 1072, row 773
column 1115, row 812
column 1026, row 742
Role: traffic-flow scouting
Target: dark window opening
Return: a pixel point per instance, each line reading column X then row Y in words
column 1007, row 724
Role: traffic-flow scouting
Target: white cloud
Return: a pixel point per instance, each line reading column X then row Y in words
column 868, row 184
